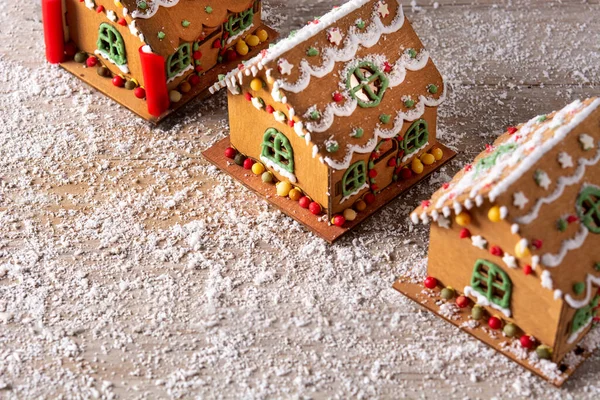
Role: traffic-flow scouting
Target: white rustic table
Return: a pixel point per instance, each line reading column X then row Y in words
column 131, row 268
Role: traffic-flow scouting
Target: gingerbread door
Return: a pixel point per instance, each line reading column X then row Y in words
column 383, row 163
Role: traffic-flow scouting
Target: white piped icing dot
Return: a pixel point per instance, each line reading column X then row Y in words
column 503, row 212
column 514, row 229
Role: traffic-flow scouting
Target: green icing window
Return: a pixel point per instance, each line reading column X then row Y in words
column 416, row 137
column 354, row 178
column 110, row 43
column 179, row 61
column 367, row 84
column 588, row 208
column 584, row 315
column 239, row 22
column 489, row 280
column 277, row 149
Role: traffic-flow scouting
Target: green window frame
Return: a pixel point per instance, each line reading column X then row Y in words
column 179, row 61
column 416, row 137
column 588, row 208
column 491, row 281
column 354, row 178
column 367, row 84
column 277, row 148
column 110, row 42
column 584, row 315
column 237, row 23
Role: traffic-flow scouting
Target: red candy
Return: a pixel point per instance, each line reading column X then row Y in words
column 527, row 342
column 338, row 97
column 139, row 92
column 100, row 9
column 91, row 61
column 369, row 198
column 406, row 173
column 230, row 152
column 70, row 49
column 527, row 270
column 495, row 323
column 304, row 202
column 464, row 233
column 511, row 130
column 536, row 243
column 118, row 81
column 194, row 80
column 197, row 55
column 122, row 22
column 462, row 301
column 248, row 96
column 314, row 208
column 248, row 163
column 496, row 251
column 339, row 220
column 430, row 282
column 269, row 109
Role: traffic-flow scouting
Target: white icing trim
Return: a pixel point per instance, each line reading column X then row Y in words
column 240, row 34
column 153, row 8
column 554, row 260
column 482, row 300
column 563, row 182
column 180, row 74
column 291, row 177
column 414, row 153
column 124, row 68
column 357, row 191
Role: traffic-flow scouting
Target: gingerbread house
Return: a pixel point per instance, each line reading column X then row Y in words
column 343, row 111
column 152, row 55
column 515, row 234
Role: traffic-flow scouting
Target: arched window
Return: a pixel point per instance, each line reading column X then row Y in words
column 179, row 61
column 588, row 208
column 489, row 280
column 239, row 22
column 367, row 84
column 110, row 43
column 354, row 178
column 277, row 149
column 416, row 137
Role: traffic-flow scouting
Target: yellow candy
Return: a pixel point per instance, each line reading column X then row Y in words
column 521, row 250
column 437, row 153
column 360, row 205
column 256, row 84
column 118, row 3
column 295, row 194
column 417, row 166
column 494, row 214
column 185, row 87
column 252, row 40
column 241, row 48
column 463, row 219
column 350, row 214
column 427, row 159
column 258, row 168
column 283, row 189
column 175, row 96
column 262, row 35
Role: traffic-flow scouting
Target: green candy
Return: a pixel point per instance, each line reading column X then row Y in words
column 385, row 118
column 511, row 330
column 102, row 71
column 579, row 288
column 433, row 89
column 477, row 313
column 447, row 293
column 130, row 85
column 267, row 177
column 358, row 133
column 312, row 52
column 409, row 103
column 239, row 159
column 544, row 352
column 80, row 57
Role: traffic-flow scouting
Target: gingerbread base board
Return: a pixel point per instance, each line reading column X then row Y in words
column 323, row 229
column 138, row 106
column 427, row 298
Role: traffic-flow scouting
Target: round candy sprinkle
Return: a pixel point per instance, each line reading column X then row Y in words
column 315, row 208
column 267, row 177
column 102, row 71
column 510, row 330
column 242, row 48
column 175, row 96
column 437, row 153
column 427, row 159
column 463, row 219
column 230, row 152
column 185, row 87
column 406, row 173
column 283, row 188
column 262, row 35
column 130, row 85
column 527, row 341
column 239, row 159
column 360, row 205
column 139, row 92
column 462, row 301
column 447, row 293
column 544, row 352
column 494, row 214
column 339, row 220
column 252, row 40
column 495, row 323
column 350, row 214
column 304, row 202
column 477, row 313
column 118, row 81
column 80, row 57
column 430, row 282
column 91, row 61
column 194, row 80
column 248, row 163
column 256, row 84
column 369, row 198
column 258, row 168
column 295, row 194
column 417, row 166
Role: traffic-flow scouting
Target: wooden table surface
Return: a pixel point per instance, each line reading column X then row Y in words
column 131, row 268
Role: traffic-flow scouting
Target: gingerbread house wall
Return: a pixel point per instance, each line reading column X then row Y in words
column 248, row 126
column 384, row 171
column 452, row 260
column 84, row 24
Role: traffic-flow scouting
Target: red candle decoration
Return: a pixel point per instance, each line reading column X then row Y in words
column 54, row 35
column 155, row 82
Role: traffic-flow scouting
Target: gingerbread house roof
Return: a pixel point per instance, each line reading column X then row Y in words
column 511, row 174
column 178, row 21
column 309, row 72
